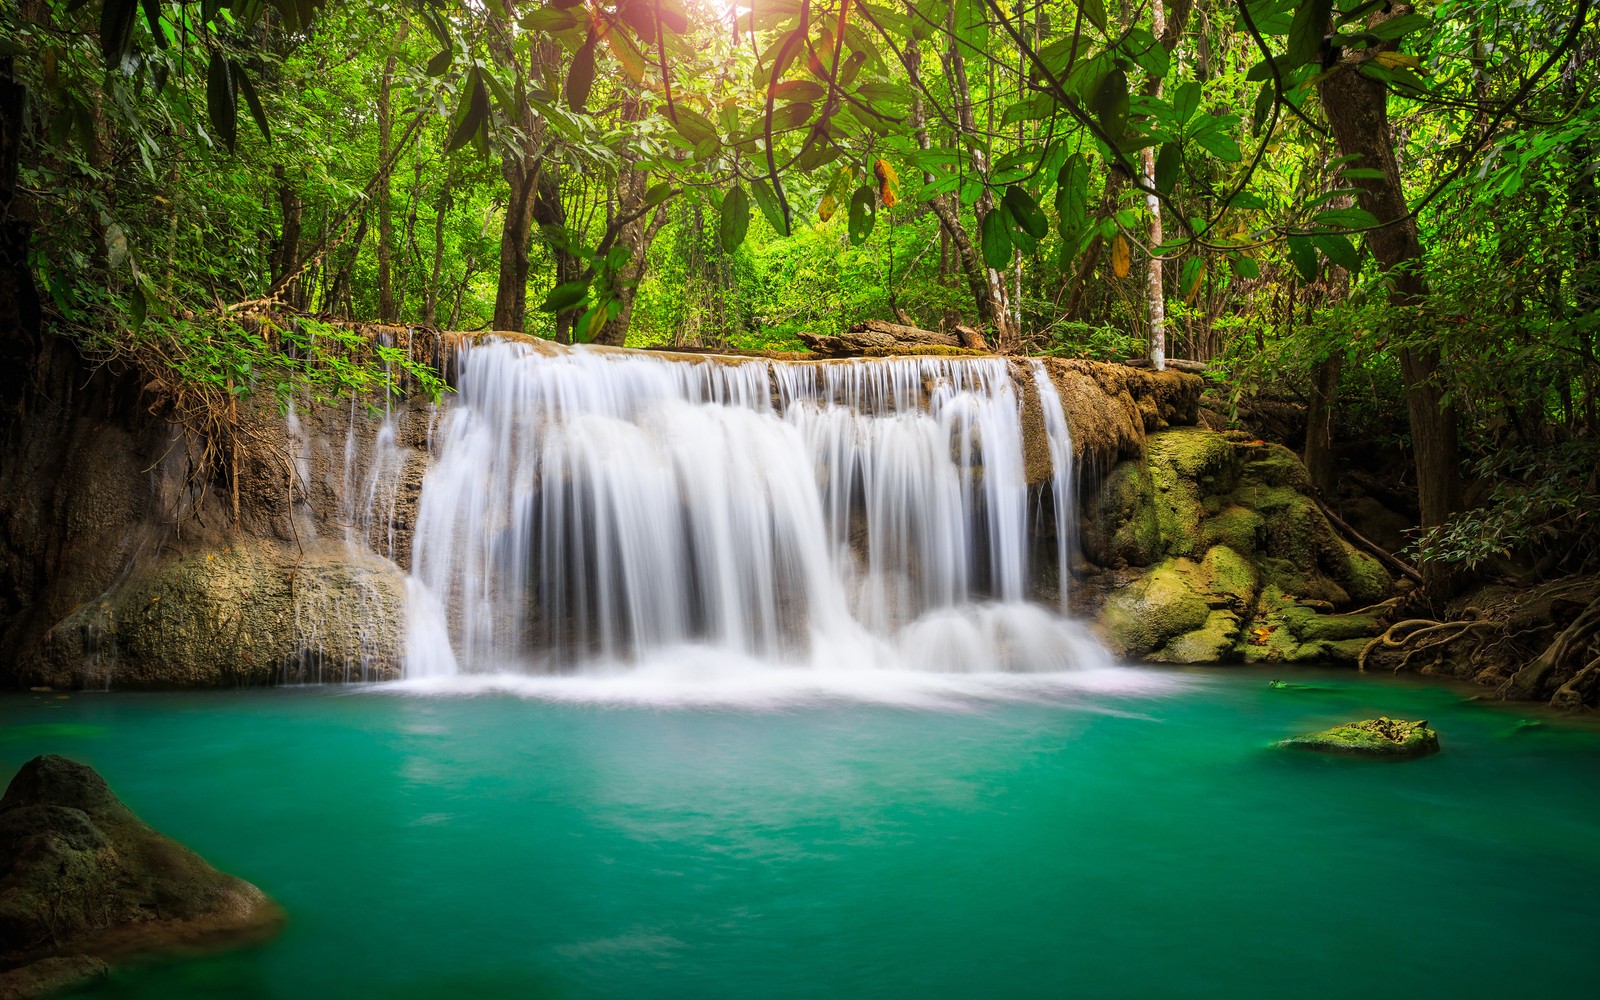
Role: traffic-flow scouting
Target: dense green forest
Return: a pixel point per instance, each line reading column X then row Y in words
column 1386, row 212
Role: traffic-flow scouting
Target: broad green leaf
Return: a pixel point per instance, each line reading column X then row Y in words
column 1345, row 218
column 1362, row 174
column 1094, row 11
column 1219, row 145
column 564, row 296
column 1167, row 162
column 1072, row 194
column 735, row 220
column 691, row 124
column 658, row 194
column 996, row 240
column 440, row 62
column 1307, row 30
column 152, row 16
column 1395, row 27
column 1025, row 212
column 551, row 19
column 1194, row 269
column 1263, row 107
column 580, row 78
column 1245, row 267
column 863, row 213
column 799, row 90
column 1304, row 255
column 116, row 27
column 772, row 205
column 222, row 100
column 138, row 306
column 1111, row 104
column 1247, row 200
column 251, row 101
column 1186, row 101
column 1339, row 250
column 474, row 111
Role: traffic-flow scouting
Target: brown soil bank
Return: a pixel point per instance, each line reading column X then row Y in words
column 84, row 882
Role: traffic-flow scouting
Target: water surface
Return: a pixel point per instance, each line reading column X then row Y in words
column 1129, row 834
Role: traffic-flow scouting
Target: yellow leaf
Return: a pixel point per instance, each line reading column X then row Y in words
column 1194, row 286
column 886, row 181
column 829, row 205
column 1120, row 261
column 1399, row 60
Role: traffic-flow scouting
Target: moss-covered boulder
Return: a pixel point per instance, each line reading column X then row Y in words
column 84, row 881
column 1232, row 524
column 1380, row 737
column 249, row 613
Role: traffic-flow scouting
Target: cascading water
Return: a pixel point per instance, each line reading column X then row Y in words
column 593, row 510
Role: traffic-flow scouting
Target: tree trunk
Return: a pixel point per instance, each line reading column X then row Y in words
column 993, row 305
column 511, row 291
column 20, row 314
column 549, row 211
column 386, row 305
column 1321, row 417
column 1155, row 294
column 288, row 251
column 430, row 298
column 1357, row 111
column 636, row 235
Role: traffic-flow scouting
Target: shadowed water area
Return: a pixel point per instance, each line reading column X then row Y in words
column 1103, row 833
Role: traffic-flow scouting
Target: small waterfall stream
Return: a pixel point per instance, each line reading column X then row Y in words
column 592, row 510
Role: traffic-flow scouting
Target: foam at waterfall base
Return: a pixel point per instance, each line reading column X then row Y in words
column 950, row 660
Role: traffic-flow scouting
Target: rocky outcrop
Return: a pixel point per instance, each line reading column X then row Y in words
column 83, row 881
column 1381, row 737
column 876, row 339
column 1213, row 550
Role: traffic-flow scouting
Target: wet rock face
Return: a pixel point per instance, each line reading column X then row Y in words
column 83, row 881
column 1380, row 737
column 1216, row 552
column 248, row 613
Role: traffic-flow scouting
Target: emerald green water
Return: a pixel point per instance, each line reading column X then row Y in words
column 1135, row 837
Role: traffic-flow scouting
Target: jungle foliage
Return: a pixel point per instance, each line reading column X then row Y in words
column 1392, row 205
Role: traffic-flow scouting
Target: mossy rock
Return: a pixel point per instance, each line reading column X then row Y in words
column 1275, row 465
column 1226, row 573
column 1124, row 529
column 1239, row 528
column 1210, row 643
column 1188, row 467
column 1160, row 606
column 1363, row 577
column 1381, row 737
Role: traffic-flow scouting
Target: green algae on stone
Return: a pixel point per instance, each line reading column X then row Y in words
column 1210, row 643
column 1124, row 529
column 1161, row 606
column 1380, row 737
column 1226, row 573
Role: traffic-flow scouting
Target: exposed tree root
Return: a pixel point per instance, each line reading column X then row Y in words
column 1528, row 682
column 1416, row 635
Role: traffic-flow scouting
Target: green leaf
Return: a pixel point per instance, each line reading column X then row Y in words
column 1095, row 12
column 1072, row 194
column 1167, row 162
column 1247, row 200
column 474, row 111
column 550, row 19
column 863, row 213
column 564, row 296
column 1110, row 104
column 1025, row 212
column 138, row 306
column 1189, row 276
column 1339, row 250
column 1245, row 267
column 116, row 27
column 580, row 78
column 1304, row 255
column 996, row 240
column 799, row 90
column 1307, row 30
column 691, row 124
column 1186, row 101
column 1362, row 174
column 251, row 101
column 1346, row 218
column 222, row 100
column 152, row 15
column 772, row 206
column 440, row 62
column 1395, row 27
column 1219, row 145
column 735, row 220
column 657, row 194
column 1263, row 107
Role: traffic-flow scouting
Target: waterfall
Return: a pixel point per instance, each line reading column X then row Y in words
column 591, row 509
column 1063, row 486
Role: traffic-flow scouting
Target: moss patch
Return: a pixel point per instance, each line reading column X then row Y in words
column 1380, row 737
column 1210, row 643
column 1159, row 607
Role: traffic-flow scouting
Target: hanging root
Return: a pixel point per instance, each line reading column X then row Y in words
column 1414, row 635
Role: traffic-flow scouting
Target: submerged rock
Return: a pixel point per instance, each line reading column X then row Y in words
column 1380, row 737
column 83, row 881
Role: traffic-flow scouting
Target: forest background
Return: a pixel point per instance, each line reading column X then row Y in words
column 1382, row 216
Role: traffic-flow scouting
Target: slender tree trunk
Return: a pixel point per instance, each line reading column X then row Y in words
column 430, row 298
column 993, row 305
column 1155, row 294
column 387, row 312
column 548, row 210
column 636, row 235
column 511, row 291
column 1357, row 111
